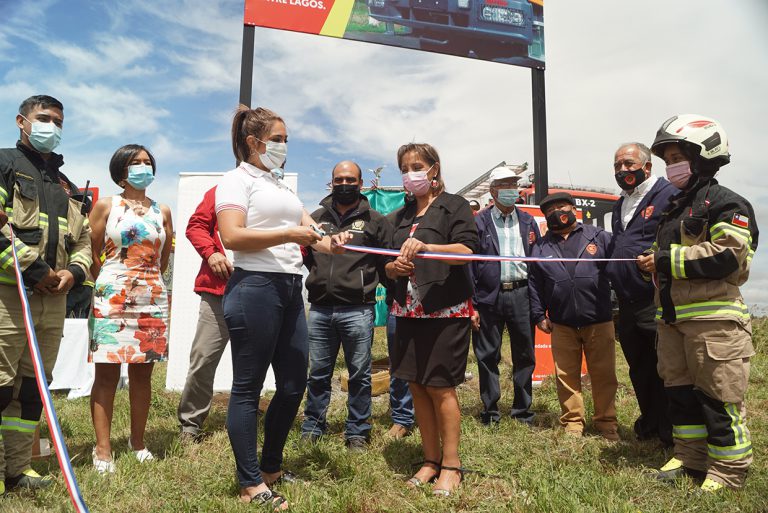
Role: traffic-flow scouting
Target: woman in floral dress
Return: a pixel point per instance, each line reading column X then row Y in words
column 129, row 319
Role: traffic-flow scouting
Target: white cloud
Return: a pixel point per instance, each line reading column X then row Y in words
column 14, row 92
column 5, row 47
column 107, row 55
column 205, row 72
column 170, row 155
column 100, row 111
column 201, row 40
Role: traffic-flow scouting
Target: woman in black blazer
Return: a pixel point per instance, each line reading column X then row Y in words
column 432, row 303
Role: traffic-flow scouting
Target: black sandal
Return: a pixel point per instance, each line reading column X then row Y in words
column 447, row 493
column 271, row 499
column 285, row 477
column 416, row 482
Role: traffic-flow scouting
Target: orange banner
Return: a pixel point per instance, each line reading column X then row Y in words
column 308, row 16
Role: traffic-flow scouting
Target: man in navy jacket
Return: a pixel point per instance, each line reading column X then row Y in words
column 572, row 301
column 635, row 218
column 501, row 298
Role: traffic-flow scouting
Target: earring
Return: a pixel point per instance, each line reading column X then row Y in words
column 435, row 184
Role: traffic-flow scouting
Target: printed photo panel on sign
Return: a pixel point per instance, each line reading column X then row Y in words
column 505, row 31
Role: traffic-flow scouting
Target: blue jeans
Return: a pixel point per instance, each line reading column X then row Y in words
column 400, row 399
column 265, row 316
column 350, row 327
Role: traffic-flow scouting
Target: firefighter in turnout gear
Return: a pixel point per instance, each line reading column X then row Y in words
column 52, row 239
column 704, row 245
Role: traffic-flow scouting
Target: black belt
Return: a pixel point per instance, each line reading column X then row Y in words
column 512, row 285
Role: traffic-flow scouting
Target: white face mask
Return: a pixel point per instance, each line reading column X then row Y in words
column 275, row 154
column 44, row 137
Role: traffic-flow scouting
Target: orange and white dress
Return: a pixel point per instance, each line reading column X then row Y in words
column 129, row 316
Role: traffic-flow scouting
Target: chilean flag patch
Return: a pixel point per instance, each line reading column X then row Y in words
column 740, row 221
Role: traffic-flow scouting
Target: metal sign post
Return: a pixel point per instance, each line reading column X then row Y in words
column 541, row 174
column 246, row 65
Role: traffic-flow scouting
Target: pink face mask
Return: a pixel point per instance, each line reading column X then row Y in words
column 679, row 174
column 416, row 182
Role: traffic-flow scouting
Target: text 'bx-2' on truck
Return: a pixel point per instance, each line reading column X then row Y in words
column 500, row 30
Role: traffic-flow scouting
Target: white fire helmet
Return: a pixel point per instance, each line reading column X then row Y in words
column 702, row 134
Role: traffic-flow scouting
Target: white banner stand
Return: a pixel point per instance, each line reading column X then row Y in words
column 185, row 303
column 72, row 371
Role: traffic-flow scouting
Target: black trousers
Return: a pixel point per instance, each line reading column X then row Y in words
column 513, row 310
column 637, row 336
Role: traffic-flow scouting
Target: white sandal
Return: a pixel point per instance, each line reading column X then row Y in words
column 102, row 466
column 143, row 455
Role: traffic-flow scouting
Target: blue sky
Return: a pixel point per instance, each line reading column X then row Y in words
column 166, row 74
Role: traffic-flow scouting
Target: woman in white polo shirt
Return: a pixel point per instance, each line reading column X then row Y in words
column 264, row 224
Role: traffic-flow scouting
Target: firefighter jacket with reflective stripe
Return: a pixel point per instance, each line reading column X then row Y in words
column 51, row 226
column 704, row 246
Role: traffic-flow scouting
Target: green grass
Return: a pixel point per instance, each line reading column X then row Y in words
column 523, row 470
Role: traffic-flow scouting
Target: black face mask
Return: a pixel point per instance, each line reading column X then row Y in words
column 628, row 180
column 560, row 219
column 346, row 193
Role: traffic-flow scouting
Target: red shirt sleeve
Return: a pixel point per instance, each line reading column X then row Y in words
column 202, row 229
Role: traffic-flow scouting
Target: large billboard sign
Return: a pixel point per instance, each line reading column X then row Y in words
column 506, row 31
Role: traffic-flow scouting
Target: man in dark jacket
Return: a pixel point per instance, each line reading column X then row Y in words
column 211, row 336
column 635, row 218
column 572, row 301
column 342, row 293
column 501, row 298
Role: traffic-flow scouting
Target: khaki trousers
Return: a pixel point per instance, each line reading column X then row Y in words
column 598, row 343
column 21, row 416
column 705, row 368
column 210, row 340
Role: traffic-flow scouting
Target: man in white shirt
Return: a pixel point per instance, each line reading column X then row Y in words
column 636, row 215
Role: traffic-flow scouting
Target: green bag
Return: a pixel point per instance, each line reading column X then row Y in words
column 384, row 202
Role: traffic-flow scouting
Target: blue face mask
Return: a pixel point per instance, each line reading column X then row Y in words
column 44, row 137
column 507, row 197
column 140, row 176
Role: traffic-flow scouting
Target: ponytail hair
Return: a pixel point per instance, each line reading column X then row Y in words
column 256, row 122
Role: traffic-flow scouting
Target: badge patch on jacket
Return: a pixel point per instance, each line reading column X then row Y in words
column 740, row 221
column 358, row 225
column 531, row 237
column 592, row 248
column 648, row 212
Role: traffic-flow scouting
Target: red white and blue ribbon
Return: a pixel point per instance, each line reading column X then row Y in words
column 487, row 258
column 42, row 384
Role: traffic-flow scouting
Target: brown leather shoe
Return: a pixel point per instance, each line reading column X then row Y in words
column 611, row 435
column 397, row 432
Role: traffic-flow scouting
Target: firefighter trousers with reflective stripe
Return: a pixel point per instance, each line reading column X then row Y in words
column 705, row 373
column 20, row 418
